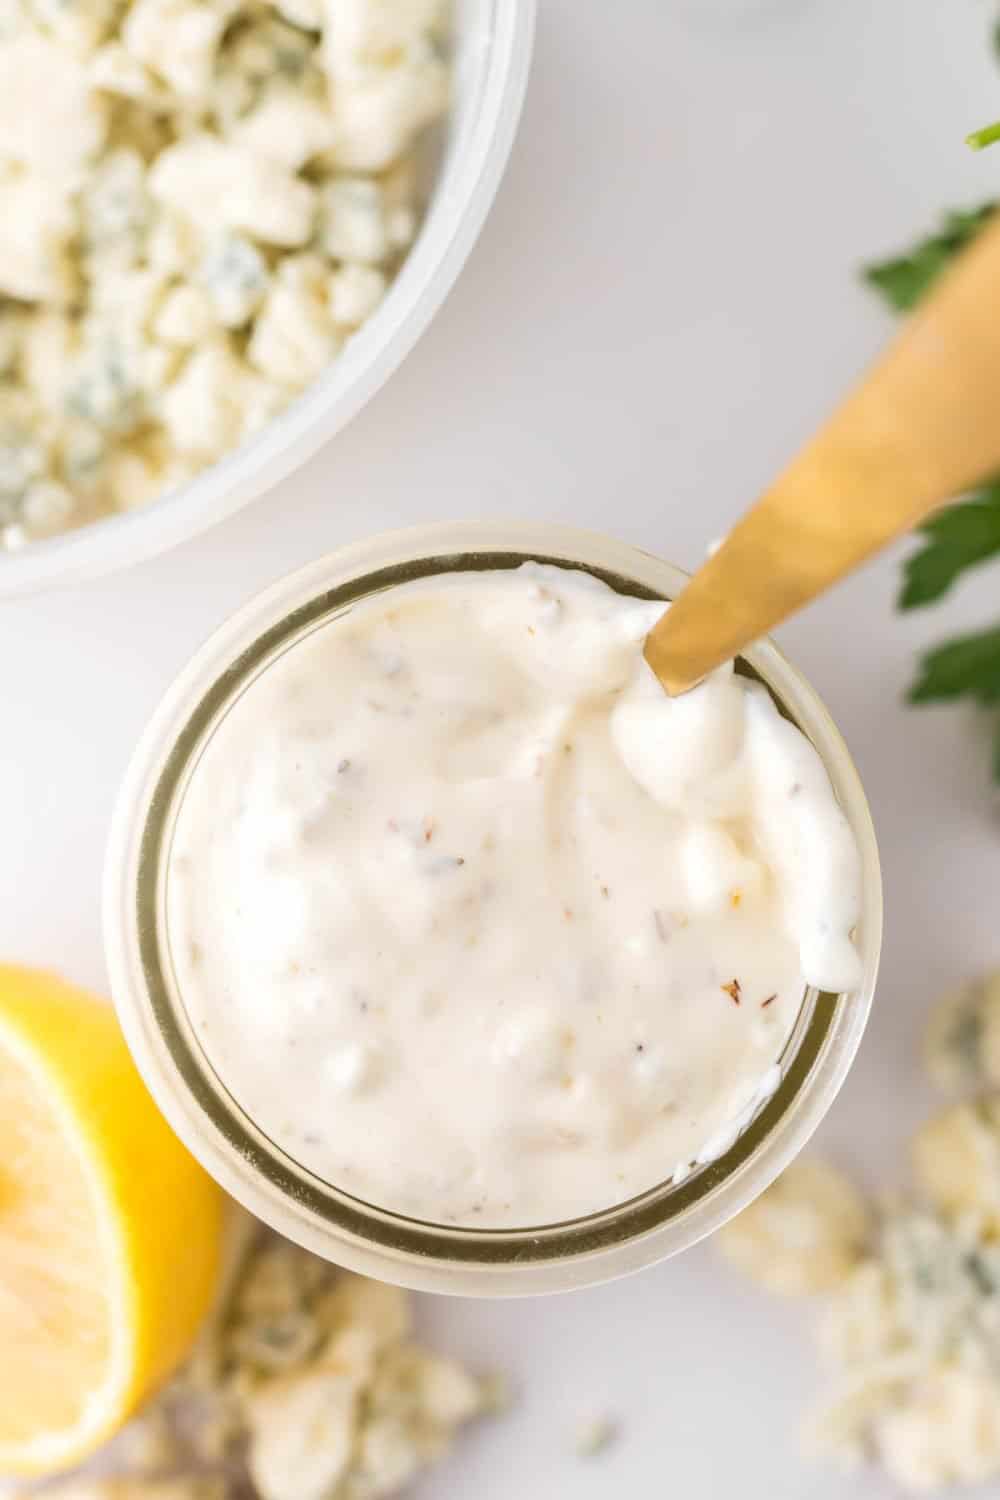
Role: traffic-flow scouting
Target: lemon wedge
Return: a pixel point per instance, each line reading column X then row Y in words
column 110, row 1232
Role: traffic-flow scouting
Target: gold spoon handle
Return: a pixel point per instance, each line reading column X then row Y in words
column 923, row 425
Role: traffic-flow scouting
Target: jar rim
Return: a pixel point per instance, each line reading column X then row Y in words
column 659, row 1222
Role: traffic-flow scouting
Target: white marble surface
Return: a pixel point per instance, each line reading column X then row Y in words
column 662, row 304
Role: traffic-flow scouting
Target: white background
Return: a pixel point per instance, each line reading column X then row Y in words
column 662, row 305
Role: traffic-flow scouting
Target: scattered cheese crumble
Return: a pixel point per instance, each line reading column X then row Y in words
column 306, row 1385
column 911, row 1328
column 962, row 1045
column 202, row 200
column 803, row 1235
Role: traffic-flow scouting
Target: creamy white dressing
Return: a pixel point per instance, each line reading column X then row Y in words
column 480, row 926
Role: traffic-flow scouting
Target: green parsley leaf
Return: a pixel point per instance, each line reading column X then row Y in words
column 904, row 279
column 957, row 538
column 966, row 667
column 967, row 533
column 987, row 135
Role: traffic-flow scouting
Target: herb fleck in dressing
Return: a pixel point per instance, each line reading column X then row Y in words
column 488, row 930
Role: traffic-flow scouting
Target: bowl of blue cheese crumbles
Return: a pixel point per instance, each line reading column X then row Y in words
column 222, row 225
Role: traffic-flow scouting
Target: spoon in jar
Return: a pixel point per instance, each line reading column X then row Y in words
column 923, row 425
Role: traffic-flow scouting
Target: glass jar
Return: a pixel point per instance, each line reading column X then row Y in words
column 264, row 1178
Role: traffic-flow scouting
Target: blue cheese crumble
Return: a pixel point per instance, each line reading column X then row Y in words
column 202, row 201
column 910, row 1331
column 307, row 1384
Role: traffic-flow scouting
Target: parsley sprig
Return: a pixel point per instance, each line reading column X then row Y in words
column 963, row 535
column 966, row 667
column 988, row 135
column 904, row 279
column 955, row 540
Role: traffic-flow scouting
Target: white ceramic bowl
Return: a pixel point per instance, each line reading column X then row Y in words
column 492, row 55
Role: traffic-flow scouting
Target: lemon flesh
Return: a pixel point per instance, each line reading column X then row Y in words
column 109, row 1230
